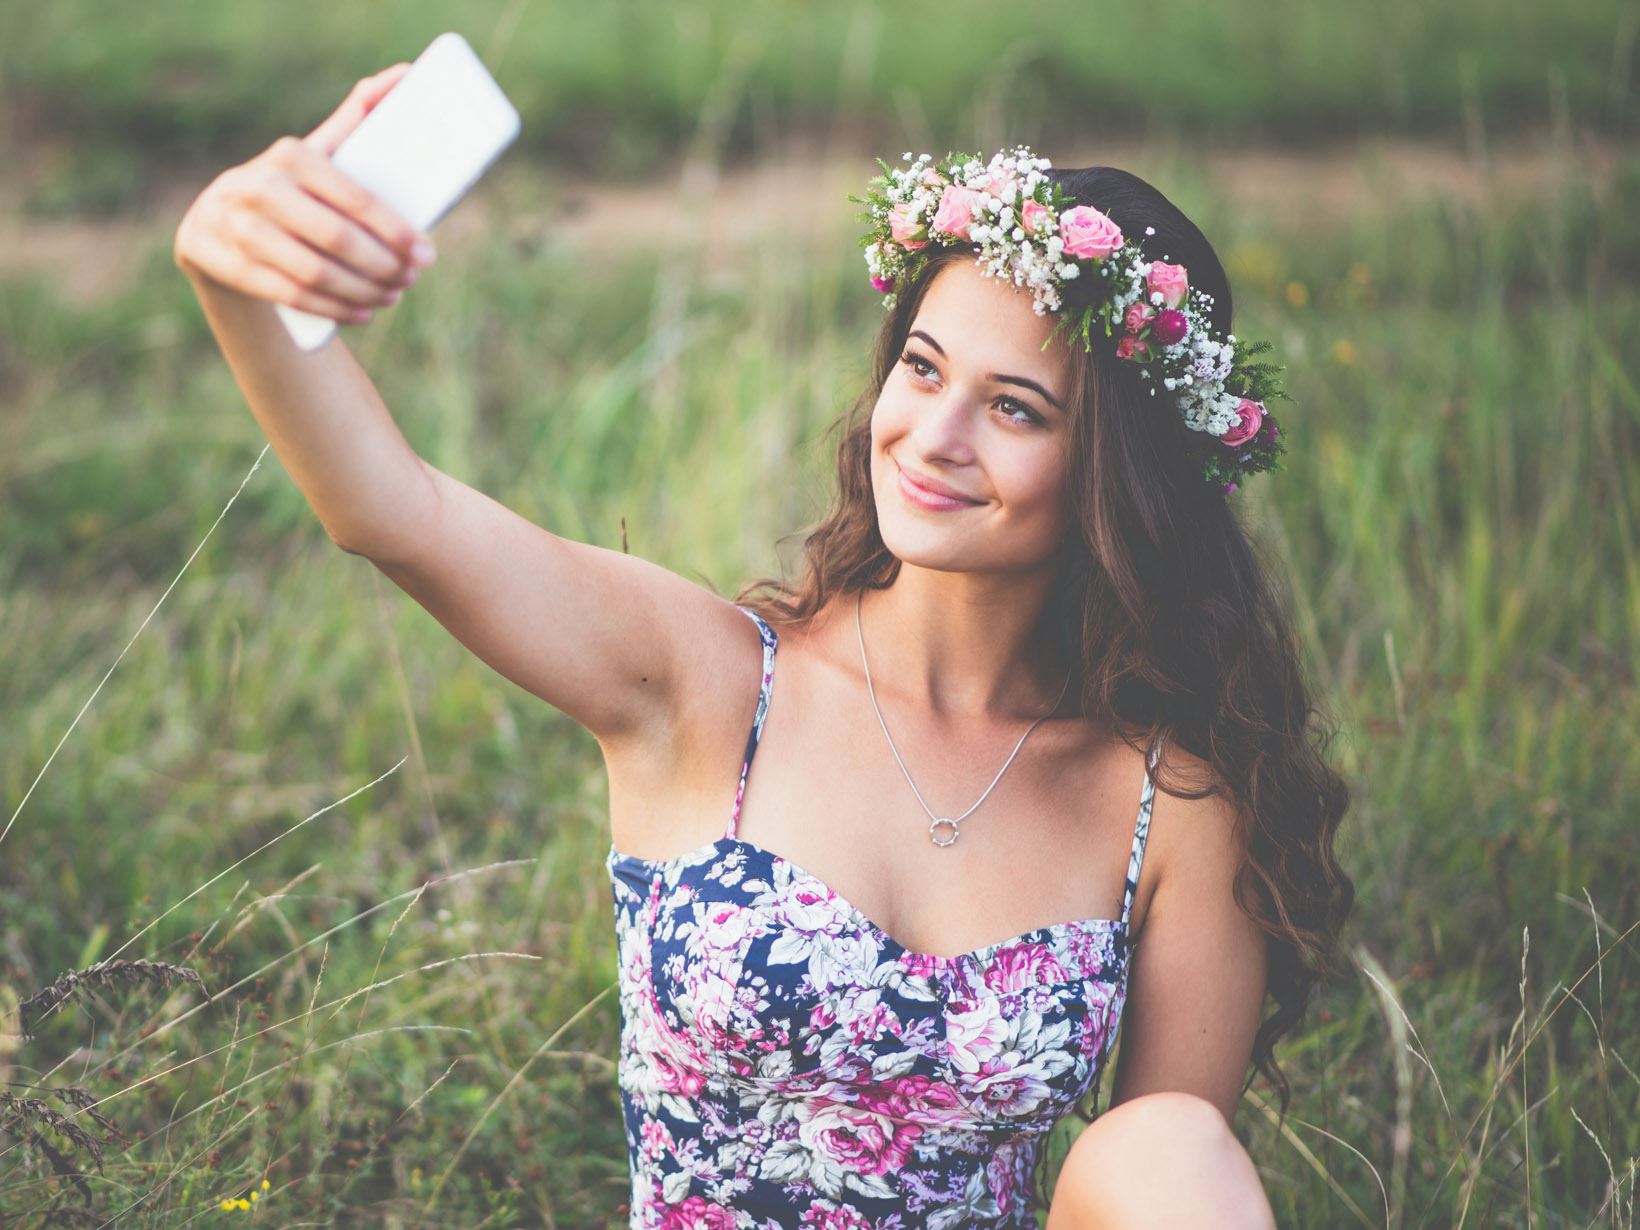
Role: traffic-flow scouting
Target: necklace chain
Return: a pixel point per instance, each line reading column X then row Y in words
column 937, row 823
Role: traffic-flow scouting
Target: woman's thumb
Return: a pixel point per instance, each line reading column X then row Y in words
column 359, row 102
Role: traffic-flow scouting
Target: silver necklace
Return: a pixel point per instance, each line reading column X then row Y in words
column 949, row 824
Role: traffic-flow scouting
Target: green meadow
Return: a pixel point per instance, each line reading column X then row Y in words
column 227, row 747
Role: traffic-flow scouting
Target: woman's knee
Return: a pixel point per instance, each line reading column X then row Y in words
column 1162, row 1159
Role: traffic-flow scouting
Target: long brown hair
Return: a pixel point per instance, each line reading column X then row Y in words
column 1181, row 637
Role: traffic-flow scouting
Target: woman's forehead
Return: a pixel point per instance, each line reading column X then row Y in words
column 988, row 322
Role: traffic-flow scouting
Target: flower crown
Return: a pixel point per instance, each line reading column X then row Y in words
column 1027, row 230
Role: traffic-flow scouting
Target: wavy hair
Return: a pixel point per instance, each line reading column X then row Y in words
column 1181, row 636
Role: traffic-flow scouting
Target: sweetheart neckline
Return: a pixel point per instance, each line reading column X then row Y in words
column 864, row 920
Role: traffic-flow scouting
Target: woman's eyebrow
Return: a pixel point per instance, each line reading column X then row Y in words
column 1000, row 379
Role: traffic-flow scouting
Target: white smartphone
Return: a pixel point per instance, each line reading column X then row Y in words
column 422, row 147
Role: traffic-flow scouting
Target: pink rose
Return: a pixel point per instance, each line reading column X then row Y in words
column 1169, row 326
column 1135, row 348
column 959, row 208
column 1033, row 215
column 904, row 226
column 933, row 178
column 1170, row 280
column 1250, row 415
column 1088, row 233
column 1138, row 317
column 881, row 284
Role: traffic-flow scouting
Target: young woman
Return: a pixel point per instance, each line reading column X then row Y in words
column 1031, row 702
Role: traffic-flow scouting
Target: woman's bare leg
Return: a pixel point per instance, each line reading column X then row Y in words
column 1162, row 1161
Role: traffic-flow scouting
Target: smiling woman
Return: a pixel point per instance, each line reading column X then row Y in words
column 1002, row 482
column 845, row 1002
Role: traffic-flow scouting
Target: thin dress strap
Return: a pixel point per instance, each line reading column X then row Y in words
column 771, row 638
column 1141, row 830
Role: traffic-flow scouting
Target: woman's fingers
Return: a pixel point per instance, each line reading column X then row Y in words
column 266, row 241
column 314, row 172
column 276, row 286
column 315, row 223
column 360, row 101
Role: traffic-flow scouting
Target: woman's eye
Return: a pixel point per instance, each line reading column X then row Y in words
column 1014, row 411
column 921, row 366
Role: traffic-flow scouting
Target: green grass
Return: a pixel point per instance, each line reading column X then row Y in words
column 1457, row 523
column 619, row 86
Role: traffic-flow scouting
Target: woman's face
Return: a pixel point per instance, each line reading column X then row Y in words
column 975, row 404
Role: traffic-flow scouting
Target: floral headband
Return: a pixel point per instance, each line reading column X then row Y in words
column 1025, row 229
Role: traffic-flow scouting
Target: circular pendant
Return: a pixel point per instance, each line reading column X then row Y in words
column 934, row 826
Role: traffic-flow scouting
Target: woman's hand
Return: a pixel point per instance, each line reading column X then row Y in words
column 288, row 227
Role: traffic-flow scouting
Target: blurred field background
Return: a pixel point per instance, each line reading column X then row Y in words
column 385, row 862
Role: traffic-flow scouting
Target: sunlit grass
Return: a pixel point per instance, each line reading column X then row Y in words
column 385, row 862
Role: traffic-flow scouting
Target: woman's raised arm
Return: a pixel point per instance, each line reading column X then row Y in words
column 596, row 633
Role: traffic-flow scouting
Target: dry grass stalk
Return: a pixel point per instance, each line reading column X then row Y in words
column 102, row 974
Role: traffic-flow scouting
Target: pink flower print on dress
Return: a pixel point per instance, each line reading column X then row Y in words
column 826, row 1215
column 917, row 1099
column 856, row 1139
column 697, row 1213
column 1008, row 1085
column 920, row 964
column 975, row 1031
column 722, row 929
column 656, row 1140
column 1020, row 965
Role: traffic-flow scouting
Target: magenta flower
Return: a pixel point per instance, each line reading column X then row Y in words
column 1169, row 326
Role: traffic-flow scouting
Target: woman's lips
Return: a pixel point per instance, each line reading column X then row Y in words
column 933, row 501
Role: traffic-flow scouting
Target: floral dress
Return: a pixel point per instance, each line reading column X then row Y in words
column 785, row 1063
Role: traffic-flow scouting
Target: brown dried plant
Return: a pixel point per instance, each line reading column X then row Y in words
column 32, row 1121
column 102, row 974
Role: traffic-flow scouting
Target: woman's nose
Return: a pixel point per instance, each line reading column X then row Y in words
column 944, row 428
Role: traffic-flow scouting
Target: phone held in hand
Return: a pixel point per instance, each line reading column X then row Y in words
column 422, row 148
